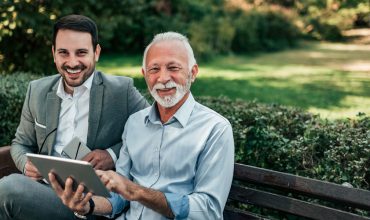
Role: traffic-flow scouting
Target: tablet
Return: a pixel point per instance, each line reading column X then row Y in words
column 80, row 171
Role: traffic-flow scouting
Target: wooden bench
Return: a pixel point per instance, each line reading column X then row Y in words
column 286, row 193
column 7, row 165
column 271, row 190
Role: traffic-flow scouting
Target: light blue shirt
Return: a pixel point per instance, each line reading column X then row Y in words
column 190, row 159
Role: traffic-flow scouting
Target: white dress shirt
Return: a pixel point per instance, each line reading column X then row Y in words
column 74, row 116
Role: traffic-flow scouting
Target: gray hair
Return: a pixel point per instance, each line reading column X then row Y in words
column 169, row 36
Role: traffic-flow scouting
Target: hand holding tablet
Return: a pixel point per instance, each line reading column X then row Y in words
column 79, row 171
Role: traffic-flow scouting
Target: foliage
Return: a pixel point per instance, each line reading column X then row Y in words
column 264, row 29
column 12, row 93
column 324, row 20
column 269, row 136
column 127, row 26
column 291, row 140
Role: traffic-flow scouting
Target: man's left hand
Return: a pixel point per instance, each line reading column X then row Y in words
column 77, row 201
column 100, row 159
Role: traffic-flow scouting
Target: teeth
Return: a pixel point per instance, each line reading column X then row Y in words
column 73, row 71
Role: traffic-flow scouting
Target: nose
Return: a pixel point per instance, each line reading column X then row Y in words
column 164, row 76
column 72, row 61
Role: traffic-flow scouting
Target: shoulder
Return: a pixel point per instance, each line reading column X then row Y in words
column 46, row 80
column 141, row 114
column 112, row 80
column 202, row 112
column 45, row 83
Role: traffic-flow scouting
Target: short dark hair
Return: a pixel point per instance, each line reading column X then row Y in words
column 77, row 23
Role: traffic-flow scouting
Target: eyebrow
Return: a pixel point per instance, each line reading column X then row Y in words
column 78, row 50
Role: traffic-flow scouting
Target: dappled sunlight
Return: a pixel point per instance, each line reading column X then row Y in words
column 344, row 47
column 330, row 79
column 351, row 106
column 357, row 66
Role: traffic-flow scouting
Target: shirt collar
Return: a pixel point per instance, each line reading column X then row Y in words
column 62, row 93
column 182, row 115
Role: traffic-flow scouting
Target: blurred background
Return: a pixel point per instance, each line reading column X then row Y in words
column 272, row 51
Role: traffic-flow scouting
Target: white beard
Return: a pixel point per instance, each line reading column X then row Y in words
column 170, row 101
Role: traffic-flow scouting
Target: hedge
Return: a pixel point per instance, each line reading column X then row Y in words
column 271, row 136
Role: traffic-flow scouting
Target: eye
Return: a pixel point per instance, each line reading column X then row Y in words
column 81, row 53
column 174, row 68
column 62, row 52
column 153, row 70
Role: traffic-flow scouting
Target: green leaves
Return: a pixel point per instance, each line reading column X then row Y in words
column 294, row 141
column 271, row 136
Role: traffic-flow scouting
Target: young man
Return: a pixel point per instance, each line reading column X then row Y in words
column 177, row 157
column 78, row 102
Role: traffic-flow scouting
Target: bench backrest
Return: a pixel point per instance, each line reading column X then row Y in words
column 290, row 194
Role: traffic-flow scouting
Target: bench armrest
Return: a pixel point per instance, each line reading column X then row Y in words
column 7, row 165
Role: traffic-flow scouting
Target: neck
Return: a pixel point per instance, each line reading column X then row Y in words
column 68, row 89
column 167, row 113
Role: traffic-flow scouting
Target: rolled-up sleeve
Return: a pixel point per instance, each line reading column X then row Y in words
column 179, row 204
column 118, row 204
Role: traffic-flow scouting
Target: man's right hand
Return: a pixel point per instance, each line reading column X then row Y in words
column 31, row 171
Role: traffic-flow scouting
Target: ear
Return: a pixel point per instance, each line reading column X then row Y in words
column 194, row 72
column 52, row 51
column 97, row 52
column 143, row 72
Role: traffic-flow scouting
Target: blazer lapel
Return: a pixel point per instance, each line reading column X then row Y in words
column 95, row 109
column 52, row 116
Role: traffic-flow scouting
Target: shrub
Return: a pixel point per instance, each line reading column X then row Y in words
column 13, row 90
column 128, row 26
column 291, row 140
column 271, row 136
column 266, row 29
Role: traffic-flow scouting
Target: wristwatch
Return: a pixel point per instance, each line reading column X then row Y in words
column 91, row 210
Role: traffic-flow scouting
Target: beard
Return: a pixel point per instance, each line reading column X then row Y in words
column 84, row 74
column 171, row 100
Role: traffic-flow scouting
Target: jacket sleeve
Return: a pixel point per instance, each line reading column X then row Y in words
column 25, row 136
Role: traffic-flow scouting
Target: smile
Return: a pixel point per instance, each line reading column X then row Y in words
column 73, row 71
column 166, row 91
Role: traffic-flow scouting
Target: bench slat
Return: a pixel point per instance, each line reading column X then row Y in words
column 288, row 204
column 231, row 213
column 349, row 196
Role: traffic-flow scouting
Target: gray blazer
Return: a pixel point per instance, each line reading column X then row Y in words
column 112, row 100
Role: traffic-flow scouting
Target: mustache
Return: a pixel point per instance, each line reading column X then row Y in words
column 78, row 67
column 168, row 85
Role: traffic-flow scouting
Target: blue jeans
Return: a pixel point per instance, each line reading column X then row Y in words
column 25, row 199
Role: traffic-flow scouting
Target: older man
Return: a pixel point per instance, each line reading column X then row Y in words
column 177, row 156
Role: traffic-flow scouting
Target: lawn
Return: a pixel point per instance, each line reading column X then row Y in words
column 330, row 79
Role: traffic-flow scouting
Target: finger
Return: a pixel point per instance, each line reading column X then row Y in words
column 31, row 171
column 93, row 162
column 54, row 183
column 89, row 156
column 68, row 186
column 100, row 172
column 87, row 197
column 78, row 197
column 31, row 167
column 32, row 174
column 99, row 165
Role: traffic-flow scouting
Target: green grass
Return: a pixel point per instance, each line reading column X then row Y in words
column 332, row 80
